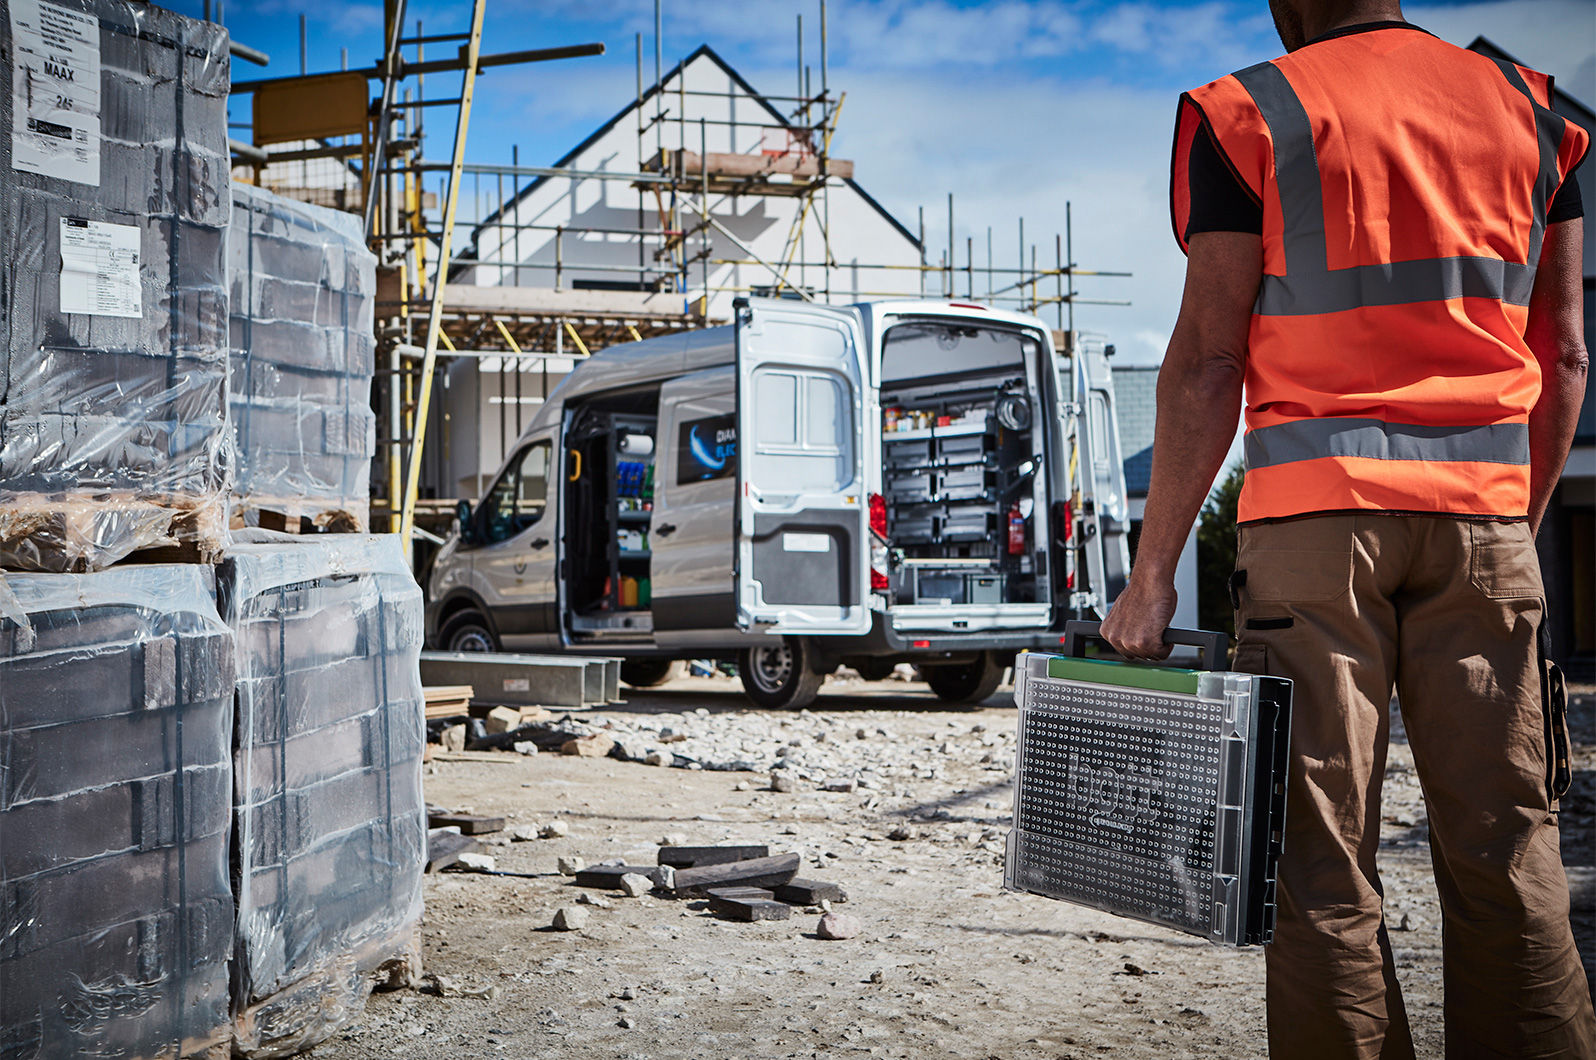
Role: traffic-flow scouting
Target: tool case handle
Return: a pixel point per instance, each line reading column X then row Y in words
column 1215, row 646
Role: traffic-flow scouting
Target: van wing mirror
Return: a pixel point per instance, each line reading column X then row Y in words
column 462, row 512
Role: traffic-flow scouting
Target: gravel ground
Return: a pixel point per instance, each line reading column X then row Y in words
column 947, row 962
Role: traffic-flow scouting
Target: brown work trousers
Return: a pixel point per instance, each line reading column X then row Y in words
column 1448, row 612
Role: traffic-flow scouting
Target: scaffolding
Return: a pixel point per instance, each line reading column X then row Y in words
column 339, row 147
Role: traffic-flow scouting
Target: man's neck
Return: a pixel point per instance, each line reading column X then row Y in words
column 1318, row 21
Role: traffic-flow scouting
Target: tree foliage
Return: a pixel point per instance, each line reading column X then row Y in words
column 1216, row 555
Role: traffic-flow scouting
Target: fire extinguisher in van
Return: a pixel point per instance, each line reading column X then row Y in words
column 1016, row 530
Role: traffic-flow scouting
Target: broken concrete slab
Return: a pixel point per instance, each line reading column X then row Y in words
column 809, row 892
column 634, row 886
column 747, row 904
column 468, row 823
column 445, row 847
column 596, row 745
column 754, row 872
column 686, row 857
column 609, row 876
column 503, row 719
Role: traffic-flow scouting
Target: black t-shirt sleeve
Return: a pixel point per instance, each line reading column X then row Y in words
column 1220, row 202
column 1567, row 204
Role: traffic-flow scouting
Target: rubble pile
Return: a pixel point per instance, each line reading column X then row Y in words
column 809, row 749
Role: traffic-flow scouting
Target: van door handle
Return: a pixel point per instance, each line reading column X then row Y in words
column 539, row 542
column 664, row 530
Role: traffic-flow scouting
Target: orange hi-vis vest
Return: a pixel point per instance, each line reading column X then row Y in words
column 1404, row 185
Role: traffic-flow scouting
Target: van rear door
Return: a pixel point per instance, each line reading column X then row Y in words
column 801, row 513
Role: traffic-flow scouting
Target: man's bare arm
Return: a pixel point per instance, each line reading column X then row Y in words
column 1556, row 335
column 1199, row 400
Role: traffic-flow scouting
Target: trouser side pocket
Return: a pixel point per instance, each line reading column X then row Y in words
column 1554, row 704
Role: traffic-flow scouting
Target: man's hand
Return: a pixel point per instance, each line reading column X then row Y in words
column 1136, row 623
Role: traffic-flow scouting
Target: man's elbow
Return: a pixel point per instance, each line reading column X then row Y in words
column 1572, row 360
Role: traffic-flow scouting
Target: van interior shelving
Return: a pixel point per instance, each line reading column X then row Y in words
column 959, row 457
column 610, row 486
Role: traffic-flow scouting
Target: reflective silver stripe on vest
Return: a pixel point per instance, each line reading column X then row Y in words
column 1310, row 286
column 1549, row 134
column 1288, row 443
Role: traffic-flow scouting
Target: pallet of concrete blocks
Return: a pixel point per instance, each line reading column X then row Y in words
column 116, row 911
column 329, row 820
column 113, row 223
column 301, row 283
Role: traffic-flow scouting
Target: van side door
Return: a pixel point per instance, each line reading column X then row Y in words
column 801, row 543
column 515, row 563
column 695, row 496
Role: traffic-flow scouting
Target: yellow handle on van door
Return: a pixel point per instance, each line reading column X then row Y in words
column 576, row 472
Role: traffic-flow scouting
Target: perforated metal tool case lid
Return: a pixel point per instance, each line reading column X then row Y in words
column 1152, row 793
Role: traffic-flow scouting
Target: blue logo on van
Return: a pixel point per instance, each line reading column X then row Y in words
column 706, row 449
column 702, row 454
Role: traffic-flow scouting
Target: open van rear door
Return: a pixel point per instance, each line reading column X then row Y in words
column 801, row 514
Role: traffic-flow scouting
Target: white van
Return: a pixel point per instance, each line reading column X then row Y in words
column 925, row 482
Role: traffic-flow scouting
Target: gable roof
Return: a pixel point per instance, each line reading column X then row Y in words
column 704, row 51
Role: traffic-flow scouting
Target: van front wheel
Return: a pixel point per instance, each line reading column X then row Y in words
column 467, row 631
column 965, row 682
column 778, row 676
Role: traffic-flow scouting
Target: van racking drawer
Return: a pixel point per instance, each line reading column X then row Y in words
column 963, row 484
column 918, row 528
column 963, row 447
column 973, row 523
column 1150, row 792
column 909, row 487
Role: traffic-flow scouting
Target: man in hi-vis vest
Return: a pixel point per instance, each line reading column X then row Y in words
column 1384, row 251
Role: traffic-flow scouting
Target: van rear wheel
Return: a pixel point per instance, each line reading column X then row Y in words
column 969, row 682
column 651, row 673
column 778, row 676
column 467, row 631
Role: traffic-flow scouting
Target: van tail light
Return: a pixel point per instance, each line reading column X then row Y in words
column 878, row 569
column 878, row 544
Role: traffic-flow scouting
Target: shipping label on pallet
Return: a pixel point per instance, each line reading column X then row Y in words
column 55, row 92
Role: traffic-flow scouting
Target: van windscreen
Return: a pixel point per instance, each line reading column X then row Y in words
column 926, row 349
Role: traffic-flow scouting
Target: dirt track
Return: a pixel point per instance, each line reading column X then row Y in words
column 948, row 964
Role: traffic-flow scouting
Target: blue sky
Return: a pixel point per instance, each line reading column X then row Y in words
column 1015, row 107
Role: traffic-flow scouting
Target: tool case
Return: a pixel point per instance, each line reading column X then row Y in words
column 1151, row 792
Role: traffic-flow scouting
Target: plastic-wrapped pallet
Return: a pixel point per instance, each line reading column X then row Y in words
column 330, row 824
column 116, row 911
column 303, row 352
column 113, row 222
